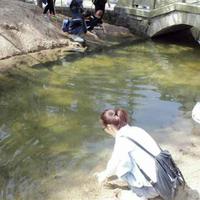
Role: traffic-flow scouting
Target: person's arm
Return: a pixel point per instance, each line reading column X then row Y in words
column 103, row 28
column 112, row 164
column 92, row 34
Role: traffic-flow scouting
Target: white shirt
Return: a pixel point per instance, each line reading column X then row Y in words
column 68, row 3
column 126, row 154
column 196, row 112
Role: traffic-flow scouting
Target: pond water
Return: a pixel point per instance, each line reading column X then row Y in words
column 50, row 137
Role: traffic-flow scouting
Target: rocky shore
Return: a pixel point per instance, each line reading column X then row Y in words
column 24, row 29
column 185, row 152
column 27, row 37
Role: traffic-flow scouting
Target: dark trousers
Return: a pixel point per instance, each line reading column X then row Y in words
column 50, row 7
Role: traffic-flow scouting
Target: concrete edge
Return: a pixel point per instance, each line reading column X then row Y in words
column 182, row 7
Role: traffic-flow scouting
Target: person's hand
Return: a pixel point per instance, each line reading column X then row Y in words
column 101, row 177
column 89, row 33
column 96, row 37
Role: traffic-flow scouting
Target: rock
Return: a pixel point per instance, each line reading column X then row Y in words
column 24, row 29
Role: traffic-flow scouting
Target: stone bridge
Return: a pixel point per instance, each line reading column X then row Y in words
column 154, row 17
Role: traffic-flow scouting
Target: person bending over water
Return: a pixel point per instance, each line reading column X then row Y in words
column 77, row 26
column 129, row 161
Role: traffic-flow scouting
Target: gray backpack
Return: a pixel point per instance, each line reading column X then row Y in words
column 169, row 176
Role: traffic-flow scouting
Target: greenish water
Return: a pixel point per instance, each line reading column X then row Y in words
column 50, row 137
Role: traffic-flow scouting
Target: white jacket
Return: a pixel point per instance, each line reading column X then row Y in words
column 196, row 112
column 126, row 154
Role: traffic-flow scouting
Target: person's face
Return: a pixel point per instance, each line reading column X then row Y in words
column 110, row 129
column 99, row 14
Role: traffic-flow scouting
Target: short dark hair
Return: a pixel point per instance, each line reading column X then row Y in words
column 117, row 117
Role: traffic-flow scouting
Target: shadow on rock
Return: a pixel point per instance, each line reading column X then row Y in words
column 188, row 194
column 116, row 186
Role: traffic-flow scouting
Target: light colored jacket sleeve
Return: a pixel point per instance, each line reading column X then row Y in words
column 114, row 160
column 119, row 162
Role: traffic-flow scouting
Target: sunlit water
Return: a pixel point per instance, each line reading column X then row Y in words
column 50, row 137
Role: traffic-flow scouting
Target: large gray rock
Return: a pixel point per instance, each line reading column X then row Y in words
column 24, row 29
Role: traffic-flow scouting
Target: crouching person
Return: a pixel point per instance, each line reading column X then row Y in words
column 76, row 26
column 77, row 29
column 138, row 160
column 95, row 20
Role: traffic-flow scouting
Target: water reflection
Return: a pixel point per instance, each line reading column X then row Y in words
column 50, row 137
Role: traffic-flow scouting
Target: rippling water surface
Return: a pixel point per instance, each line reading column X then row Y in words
column 50, row 137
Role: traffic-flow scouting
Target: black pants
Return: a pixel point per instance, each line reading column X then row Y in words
column 50, row 7
column 100, row 5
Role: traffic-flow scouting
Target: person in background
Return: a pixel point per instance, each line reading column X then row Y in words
column 76, row 8
column 77, row 26
column 100, row 8
column 77, row 30
column 100, row 5
column 95, row 20
column 49, row 7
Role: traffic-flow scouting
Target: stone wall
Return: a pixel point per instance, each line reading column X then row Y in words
column 144, row 3
column 137, row 25
column 172, row 21
column 125, row 3
column 150, row 4
column 147, row 22
column 196, row 34
column 161, row 3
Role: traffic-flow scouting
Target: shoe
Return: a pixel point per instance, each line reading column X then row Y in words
column 76, row 38
column 46, row 16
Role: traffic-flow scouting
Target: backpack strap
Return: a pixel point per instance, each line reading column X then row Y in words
column 132, row 140
column 142, row 171
column 146, row 176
